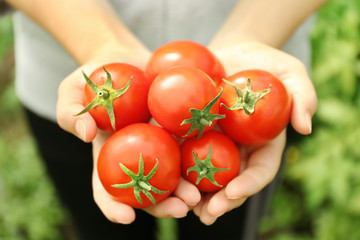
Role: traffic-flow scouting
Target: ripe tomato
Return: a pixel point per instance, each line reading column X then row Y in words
column 210, row 162
column 261, row 107
column 147, row 151
column 121, row 92
column 185, row 53
column 184, row 100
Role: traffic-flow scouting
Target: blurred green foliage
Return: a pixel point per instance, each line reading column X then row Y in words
column 28, row 204
column 319, row 198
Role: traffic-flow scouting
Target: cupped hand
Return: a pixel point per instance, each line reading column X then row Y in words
column 261, row 163
column 291, row 71
column 70, row 102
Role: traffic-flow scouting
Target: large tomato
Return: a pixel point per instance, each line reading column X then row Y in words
column 185, row 53
column 210, row 162
column 260, row 107
column 117, row 91
column 140, row 165
column 184, row 100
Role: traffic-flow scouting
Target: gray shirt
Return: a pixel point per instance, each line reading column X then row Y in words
column 41, row 63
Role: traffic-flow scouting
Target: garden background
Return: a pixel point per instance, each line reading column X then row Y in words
column 318, row 198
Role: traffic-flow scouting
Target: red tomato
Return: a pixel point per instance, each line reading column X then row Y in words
column 182, row 94
column 185, row 53
column 271, row 112
column 210, row 162
column 132, row 147
column 130, row 107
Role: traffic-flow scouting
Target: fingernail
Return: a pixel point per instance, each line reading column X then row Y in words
column 239, row 200
column 191, row 204
column 210, row 222
column 309, row 122
column 233, row 198
column 80, row 129
column 181, row 215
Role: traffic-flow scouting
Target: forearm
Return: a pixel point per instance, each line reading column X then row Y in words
column 85, row 28
column 268, row 21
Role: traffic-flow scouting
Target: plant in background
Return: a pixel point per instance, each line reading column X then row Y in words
column 28, row 205
column 320, row 196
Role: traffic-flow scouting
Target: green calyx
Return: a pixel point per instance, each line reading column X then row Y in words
column 246, row 97
column 105, row 96
column 202, row 118
column 140, row 182
column 205, row 169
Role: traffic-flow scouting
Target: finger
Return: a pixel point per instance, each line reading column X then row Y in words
column 219, row 204
column 260, row 170
column 169, row 207
column 113, row 210
column 188, row 193
column 69, row 103
column 302, row 91
column 203, row 213
column 198, row 207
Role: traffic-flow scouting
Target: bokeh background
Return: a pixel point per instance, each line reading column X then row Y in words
column 317, row 199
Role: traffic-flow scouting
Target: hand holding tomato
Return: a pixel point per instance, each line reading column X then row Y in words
column 261, row 166
column 291, row 72
column 71, row 91
column 176, row 205
column 261, row 162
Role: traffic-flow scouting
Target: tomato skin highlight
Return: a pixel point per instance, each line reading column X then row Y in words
column 224, row 154
column 125, row 146
column 185, row 53
column 272, row 111
column 131, row 107
column 174, row 92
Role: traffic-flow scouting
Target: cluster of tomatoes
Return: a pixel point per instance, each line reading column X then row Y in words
column 200, row 113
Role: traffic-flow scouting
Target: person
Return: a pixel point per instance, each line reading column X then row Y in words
column 56, row 40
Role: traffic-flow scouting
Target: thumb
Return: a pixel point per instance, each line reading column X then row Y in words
column 304, row 99
column 69, row 103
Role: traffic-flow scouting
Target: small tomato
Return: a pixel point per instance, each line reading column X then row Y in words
column 185, row 53
column 139, row 165
column 210, row 162
column 257, row 107
column 116, row 96
column 184, row 100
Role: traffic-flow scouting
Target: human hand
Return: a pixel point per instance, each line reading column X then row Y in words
column 177, row 205
column 260, row 167
column 291, row 71
column 262, row 162
column 70, row 102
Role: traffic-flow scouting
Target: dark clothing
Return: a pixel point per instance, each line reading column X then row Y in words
column 69, row 164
